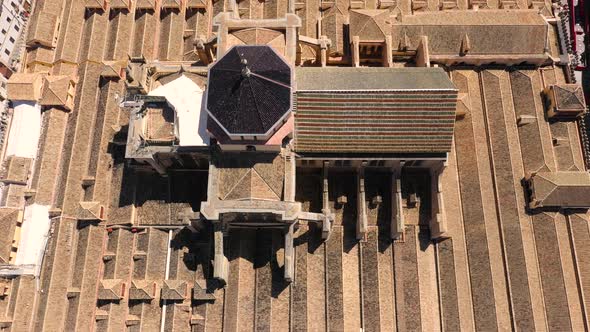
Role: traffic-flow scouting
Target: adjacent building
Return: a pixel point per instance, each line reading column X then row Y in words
column 13, row 23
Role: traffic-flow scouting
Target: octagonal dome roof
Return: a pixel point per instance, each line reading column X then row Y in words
column 249, row 92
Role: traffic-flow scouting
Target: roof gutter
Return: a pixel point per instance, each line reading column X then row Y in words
column 167, row 275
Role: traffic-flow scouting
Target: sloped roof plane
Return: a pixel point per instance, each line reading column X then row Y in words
column 374, row 110
column 196, row 4
column 369, row 24
column 96, row 4
column 258, row 36
column 111, row 289
column 252, row 186
column 560, row 189
column 23, row 86
column 494, row 31
column 143, row 290
column 174, row 290
column 147, row 4
column 120, row 4
column 569, row 97
column 58, row 91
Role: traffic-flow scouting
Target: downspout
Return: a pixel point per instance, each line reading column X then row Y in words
column 164, row 304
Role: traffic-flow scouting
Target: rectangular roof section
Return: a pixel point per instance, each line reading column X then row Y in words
column 559, row 190
column 489, row 17
column 374, row 110
column 485, row 32
column 372, row 79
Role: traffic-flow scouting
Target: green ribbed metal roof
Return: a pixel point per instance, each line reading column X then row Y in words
column 371, row 78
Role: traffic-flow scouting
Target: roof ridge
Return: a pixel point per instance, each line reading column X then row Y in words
column 266, row 182
column 236, row 184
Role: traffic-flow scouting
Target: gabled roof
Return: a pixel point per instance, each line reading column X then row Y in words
column 111, row 289
column 492, row 17
column 251, row 186
column 200, row 292
column 16, row 170
column 561, row 189
column 196, row 3
column 490, row 31
column 96, row 4
column 147, row 4
column 58, row 91
column 120, row 4
column 26, row 87
column 114, row 69
column 90, row 211
column 174, row 290
column 172, row 3
column 370, row 24
column 8, row 220
column 43, row 29
column 569, row 97
column 258, row 36
column 332, row 22
column 142, row 290
column 374, row 110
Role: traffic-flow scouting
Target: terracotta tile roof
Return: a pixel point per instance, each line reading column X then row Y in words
column 8, row 221
column 371, row 25
column 142, row 290
column 559, row 189
column 147, row 4
column 174, row 290
column 96, row 4
column 565, row 100
column 111, row 289
column 172, row 3
column 502, row 268
column 251, row 186
column 489, row 31
column 114, row 69
column 25, row 87
column 43, row 29
column 90, row 211
column 201, row 290
column 332, row 22
column 196, row 3
column 258, row 36
column 120, row 4
column 58, row 91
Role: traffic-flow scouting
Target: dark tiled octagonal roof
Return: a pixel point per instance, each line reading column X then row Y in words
column 249, row 91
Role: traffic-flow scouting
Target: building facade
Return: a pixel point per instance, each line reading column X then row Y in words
column 13, row 22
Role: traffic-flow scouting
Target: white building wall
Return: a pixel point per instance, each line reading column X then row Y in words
column 25, row 130
column 33, row 238
column 186, row 97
